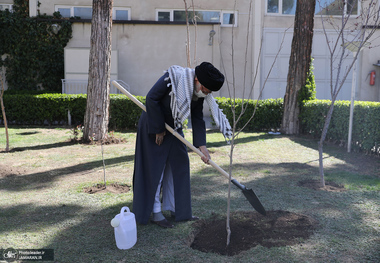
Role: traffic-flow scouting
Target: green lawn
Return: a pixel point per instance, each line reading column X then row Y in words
column 42, row 203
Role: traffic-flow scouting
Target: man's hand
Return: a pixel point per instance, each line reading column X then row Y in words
column 206, row 158
column 160, row 138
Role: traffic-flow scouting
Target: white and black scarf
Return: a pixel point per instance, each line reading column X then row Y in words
column 182, row 82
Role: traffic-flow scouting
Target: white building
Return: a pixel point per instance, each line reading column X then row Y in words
column 148, row 36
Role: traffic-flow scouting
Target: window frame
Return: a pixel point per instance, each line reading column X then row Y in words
column 235, row 13
column 170, row 11
column 279, row 13
column 221, row 12
column 113, row 10
column 10, row 6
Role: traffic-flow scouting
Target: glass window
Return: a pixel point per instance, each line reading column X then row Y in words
column 272, row 6
column 121, row 15
column 228, row 19
column 289, row 7
column 201, row 16
column 323, row 7
column 336, row 7
column 65, row 12
column 83, row 12
column 163, row 16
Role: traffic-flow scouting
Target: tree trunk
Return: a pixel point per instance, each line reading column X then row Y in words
column 3, row 113
column 298, row 63
column 98, row 90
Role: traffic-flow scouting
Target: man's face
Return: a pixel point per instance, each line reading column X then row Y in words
column 199, row 86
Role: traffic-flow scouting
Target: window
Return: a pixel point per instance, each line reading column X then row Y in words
column 323, row 7
column 5, row 6
column 226, row 18
column 121, row 13
column 85, row 12
column 229, row 18
column 285, row 7
column 335, row 7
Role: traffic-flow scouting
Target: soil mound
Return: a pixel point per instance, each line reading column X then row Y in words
column 249, row 229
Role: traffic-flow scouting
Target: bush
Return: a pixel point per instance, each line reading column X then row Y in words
column 52, row 109
column 366, row 123
column 268, row 115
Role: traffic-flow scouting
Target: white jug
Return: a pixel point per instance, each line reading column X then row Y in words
column 125, row 229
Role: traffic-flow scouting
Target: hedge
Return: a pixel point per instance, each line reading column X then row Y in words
column 268, row 115
column 52, row 109
column 366, row 123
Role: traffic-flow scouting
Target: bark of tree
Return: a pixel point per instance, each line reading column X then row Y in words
column 3, row 113
column 298, row 63
column 98, row 90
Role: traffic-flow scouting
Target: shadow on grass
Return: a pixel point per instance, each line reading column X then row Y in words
column 85, row 234
column 90, row 239
column 44, row 179
column 355, row 161
column 40, row 147
column 241, row 140
column 93, row 239
column 343, row 216
column 24, row 217
column 27, row 133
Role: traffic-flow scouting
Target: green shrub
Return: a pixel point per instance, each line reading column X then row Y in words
column 268, row 115
column 52, row 108
column 366, row 123
column 308, row 92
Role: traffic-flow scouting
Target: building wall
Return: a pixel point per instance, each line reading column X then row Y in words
column 146, row 50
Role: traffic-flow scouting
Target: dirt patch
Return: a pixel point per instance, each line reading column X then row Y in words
column 316, row 185
column 9, row 171
column 249, row 229
column 109, row 139
column 114, row 188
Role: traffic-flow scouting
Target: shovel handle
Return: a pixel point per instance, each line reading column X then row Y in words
column 172, row 131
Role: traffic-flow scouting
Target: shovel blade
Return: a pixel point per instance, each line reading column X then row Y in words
column 254, row 201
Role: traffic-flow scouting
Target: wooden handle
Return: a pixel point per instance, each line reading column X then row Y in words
column 171, row 130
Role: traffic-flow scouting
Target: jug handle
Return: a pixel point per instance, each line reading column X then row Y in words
column 122, row 210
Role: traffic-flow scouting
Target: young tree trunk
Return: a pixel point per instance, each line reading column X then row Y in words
column 298, row 63
column 4, row 116
column 98, row 90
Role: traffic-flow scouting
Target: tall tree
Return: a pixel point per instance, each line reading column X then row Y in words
column 96, row 118
column 298, row 63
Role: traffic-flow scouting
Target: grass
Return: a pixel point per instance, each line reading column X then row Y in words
column 42, row 204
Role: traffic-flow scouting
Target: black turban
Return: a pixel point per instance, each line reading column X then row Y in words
column 209, row 76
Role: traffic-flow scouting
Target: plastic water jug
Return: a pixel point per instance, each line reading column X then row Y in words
column 125, row 229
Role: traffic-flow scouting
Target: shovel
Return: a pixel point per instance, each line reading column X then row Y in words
column 248, row 193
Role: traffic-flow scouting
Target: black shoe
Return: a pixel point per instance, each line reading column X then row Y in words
column 163, row 223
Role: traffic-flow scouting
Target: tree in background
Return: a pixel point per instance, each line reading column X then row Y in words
column 299, row 62
column 96, row 118
column 352, row 33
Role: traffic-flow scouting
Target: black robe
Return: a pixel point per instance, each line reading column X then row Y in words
column 150, row 159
